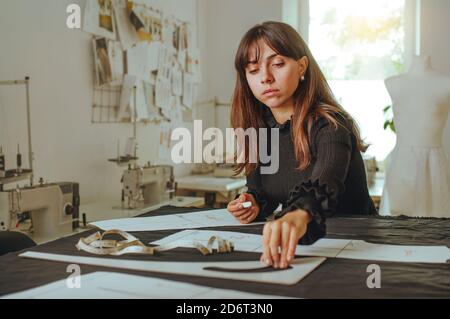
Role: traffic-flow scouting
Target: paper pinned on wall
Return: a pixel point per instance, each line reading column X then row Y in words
column 99, row 18
column 188, row 90
column 141, row 103
column 137, row 61
column 165, row 61
column 145, row 21
column 103, row 69
column 167, row 31
column 177, row 112
column 153, row 56
column 153, row 110
column 182, row 58
column 112, row 285
column 162, row 93
column 125, row 112
column 127, row 35
column 253, row 271
column 193, row 65
column 177, row 81
column 116, row 57
column 108, row 60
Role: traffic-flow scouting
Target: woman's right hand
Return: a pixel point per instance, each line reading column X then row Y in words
column 244, row 215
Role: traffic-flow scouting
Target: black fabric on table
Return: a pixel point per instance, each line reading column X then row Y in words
column 11, row 241
column 335, row 278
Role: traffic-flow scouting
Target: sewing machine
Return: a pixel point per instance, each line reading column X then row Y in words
column 147, row 186
column 53, row 208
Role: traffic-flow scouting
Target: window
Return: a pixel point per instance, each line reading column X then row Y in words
column 358, row 44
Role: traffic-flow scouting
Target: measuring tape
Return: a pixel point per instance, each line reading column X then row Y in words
column 95, row 244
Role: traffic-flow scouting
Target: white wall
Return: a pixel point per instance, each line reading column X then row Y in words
column 228, row 20
column 35, row 41
column 436, row 42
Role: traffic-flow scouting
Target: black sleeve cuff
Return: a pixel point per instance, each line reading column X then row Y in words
column 266, row 207
column 318, row 201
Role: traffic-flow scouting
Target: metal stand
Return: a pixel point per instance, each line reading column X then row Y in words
column 26, row 82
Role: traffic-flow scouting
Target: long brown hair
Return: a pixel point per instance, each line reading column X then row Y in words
column 312, row 99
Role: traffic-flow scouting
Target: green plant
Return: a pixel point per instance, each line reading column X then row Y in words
column 389, row 118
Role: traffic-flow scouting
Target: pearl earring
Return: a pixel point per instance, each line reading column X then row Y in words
column 303, row 77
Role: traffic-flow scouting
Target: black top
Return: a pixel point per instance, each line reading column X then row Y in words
column 334, row 182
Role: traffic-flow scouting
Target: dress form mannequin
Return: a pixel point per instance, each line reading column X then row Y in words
column 418, row 179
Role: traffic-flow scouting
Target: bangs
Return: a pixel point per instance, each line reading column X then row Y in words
column 250, row 51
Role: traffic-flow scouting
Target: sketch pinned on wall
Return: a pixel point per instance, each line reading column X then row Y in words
column 116, row 58
column 188, row 90
column 165, row 62
column 108, row 60
column 103, row 69
column 177, row 111
column 182, row 59
column 177, row 81
column 185, row 32
column 146, row 21
column 162, row 93
column 141, row 103
column 125, row 112
column 153, row 110
column 138, row 62
column 167, row 31
column 127, row 34
column 138, row 21
column 156, row 51
column 99, row 18
column 153, row 56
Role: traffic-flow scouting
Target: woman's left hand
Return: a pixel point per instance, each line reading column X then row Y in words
column 280, row 238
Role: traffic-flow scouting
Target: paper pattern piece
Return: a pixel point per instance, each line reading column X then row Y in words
column 112, row 285
column 252, row 242
column 207, row 218
column 254, row 271
column 325, row 247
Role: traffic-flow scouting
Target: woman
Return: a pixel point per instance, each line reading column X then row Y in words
column 280, row 86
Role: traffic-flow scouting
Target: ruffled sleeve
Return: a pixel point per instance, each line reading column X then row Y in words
column 254, row 187
column 320, row 194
